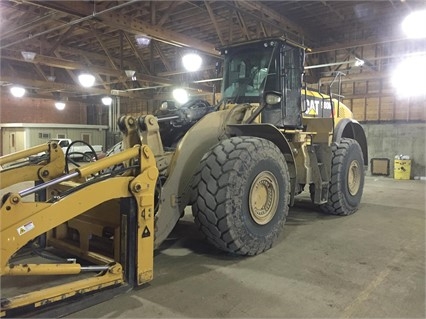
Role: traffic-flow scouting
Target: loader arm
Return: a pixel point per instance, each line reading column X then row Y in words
column 50, row 167
column 22, row 222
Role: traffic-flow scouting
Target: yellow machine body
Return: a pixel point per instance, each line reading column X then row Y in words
column 79, row 203
column 114, row 212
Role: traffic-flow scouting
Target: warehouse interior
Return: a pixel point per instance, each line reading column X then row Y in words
column 358, row 52
column 100, row 37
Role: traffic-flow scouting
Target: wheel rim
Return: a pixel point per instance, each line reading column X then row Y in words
column 354, row 178
column 263, row 198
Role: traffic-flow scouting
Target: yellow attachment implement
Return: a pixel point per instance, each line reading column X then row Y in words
column 22, row 222
column 48, row 169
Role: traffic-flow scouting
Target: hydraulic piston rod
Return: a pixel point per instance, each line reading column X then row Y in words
column 86, row 170
column 51, row 269
column 60, row 179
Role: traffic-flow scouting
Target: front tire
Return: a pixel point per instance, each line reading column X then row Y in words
column 347, row 178
column 242, row 192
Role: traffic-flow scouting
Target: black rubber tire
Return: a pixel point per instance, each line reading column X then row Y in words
column 221, row 191
column 347, row 155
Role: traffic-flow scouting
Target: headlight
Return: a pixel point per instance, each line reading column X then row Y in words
column 272, row 98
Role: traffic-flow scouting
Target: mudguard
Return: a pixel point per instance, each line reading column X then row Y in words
column 351, row 128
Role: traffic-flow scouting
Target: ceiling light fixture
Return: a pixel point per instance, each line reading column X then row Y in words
column 180, row 95
column 28, row 56
column 131, row 74
column 414, row 25
column 51, row 78
column 106, row 100
column 17, row 91
column 87, row 80
column 191, row 62
column 60, row 105
column 142, row 40
column 359, row 62
column 408, row 77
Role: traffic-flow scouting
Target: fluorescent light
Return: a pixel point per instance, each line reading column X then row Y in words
column 106, row 100
column 414, row 25
column 87, row 80
column 17, row 91
column 180, row 95
column 191, row 62
column 60, row 105
column 408, row 77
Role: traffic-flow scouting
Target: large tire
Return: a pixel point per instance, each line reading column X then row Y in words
column 347, row 178
column 241, row 195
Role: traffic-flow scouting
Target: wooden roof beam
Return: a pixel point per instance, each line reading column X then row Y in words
column 134, row 26
column 61, row 39
column 135, row 52
column 259, row 7
column 97, row 76
column 356, row 43
column 357, row 77
column 213, row 19
column 40, row 72
column 169, row 11
column 72, row 65
column 52, row 86
column 162, row 57
column 58, row 63
column 31, row 25
column 242, row 24
column 262, row 13
column 129, row 24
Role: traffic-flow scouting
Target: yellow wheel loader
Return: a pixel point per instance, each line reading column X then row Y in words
column 239, row 166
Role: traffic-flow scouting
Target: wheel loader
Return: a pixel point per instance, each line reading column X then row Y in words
column 239, row 167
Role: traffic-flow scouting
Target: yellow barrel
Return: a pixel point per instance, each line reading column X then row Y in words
column 402, row 169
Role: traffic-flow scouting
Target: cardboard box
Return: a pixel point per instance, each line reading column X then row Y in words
column 380, row 166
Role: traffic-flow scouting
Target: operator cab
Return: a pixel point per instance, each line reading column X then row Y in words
column 272, row 65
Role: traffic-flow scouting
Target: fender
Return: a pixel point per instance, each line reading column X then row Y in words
column 351, row 128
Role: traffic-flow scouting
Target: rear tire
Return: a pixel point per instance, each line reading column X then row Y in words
column 347, row 178
column 241, row 195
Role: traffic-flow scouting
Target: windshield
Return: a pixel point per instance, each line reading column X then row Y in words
column 245, row 73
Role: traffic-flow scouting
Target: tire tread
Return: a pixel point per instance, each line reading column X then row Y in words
column 211, row 194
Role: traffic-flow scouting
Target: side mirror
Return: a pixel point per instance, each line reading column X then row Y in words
column 272, row 97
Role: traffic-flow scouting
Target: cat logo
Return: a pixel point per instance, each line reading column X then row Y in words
column 316, row 106
column 312, row 112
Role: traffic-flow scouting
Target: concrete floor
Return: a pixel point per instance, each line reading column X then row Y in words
column 370, row 264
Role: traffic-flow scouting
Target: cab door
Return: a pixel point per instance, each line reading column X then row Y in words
column 291, row 71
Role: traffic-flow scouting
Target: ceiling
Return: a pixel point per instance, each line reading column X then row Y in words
column 69, row 37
